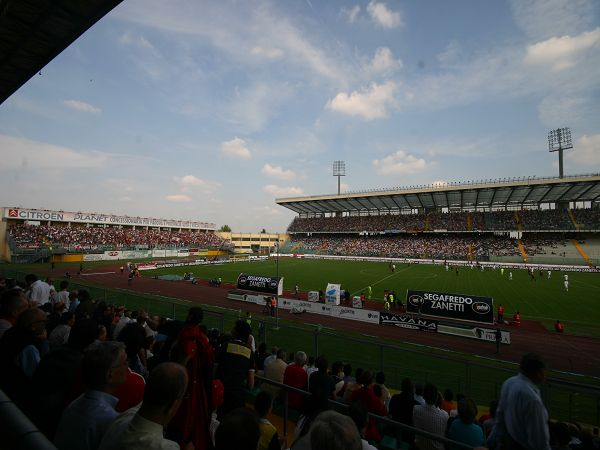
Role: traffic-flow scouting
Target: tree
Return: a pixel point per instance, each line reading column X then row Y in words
column 225, row 228
column 263, row 231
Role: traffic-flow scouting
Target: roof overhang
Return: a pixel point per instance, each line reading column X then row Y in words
column 471, row 195
column 34, row 32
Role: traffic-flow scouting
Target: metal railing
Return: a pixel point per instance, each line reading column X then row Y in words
column 482, row 381
column 343, row 407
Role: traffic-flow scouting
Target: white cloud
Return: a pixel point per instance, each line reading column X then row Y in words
column 268, row 53
column 586, row 152
column 278, row 172
column 179, row 198
column 189, row 181
column 561, row 53
column 236, row 148
column 21, row 153
column 542, row 19
column 371, row 103
column 281, row 191
column 384, row 62
column 141, row 42
column 399, row 162
column 268, row 210
column 556, row 110
column 384, row 17
column 351, row 13
column 78, row 105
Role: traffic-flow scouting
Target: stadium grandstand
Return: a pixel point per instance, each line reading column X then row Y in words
column 546, row 220
column 32, row 235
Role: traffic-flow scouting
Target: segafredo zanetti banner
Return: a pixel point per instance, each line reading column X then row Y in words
column 260, row 283
column 454, row 306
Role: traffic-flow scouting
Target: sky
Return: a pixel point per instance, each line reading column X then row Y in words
column 210, row 110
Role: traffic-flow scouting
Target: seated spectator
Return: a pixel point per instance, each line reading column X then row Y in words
column 490, row 421
column 275, row 371
column 464, row 429
column 60, row 335
column 85, row 421
column 334, row 431
column 21, row 348
column 320, row 384
column 430, row 418
column 448, row 404
column 401, row 410
column 337, row 375
column 296, row 376
column 385, row 393
column 374, row 405
column 12, row 303
column 239, row 430
column 419, row 393
column 359, row 414
column 142, row 428
column 269, row 438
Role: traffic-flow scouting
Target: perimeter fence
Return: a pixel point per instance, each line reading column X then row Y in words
column 566, row 396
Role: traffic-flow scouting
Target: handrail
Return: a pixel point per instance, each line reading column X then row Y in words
column 386, row 420
column 17, row 430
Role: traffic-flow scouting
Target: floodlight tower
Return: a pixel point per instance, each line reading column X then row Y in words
column 339, row 170
column 559, row 140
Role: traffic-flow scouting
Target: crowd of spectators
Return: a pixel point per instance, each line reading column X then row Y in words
column 438, row 246
column 517, row 220
column 88, row 238
column 120, row 379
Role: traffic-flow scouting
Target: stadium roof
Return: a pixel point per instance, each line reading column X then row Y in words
column 530, row 191
column 34, row 32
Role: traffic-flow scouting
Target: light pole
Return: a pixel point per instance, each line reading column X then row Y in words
column 559, row 140
column 277, row 291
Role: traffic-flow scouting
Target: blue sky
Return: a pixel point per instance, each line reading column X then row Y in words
column 189, row 109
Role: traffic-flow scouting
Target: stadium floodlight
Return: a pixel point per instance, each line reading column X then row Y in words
column 339, row 170
column 559, row 140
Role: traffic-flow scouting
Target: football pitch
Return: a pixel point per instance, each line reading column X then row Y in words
column 543, row 300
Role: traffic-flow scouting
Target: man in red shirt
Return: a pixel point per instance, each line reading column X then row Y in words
column 500, row 313
column 559, row 327
column 296, row 376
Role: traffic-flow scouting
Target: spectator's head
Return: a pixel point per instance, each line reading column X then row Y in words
column 133, row 336
column 419, row 389
column 334, row 431
column 238, row 430
column 30, row 278
column 195, row 315
column 241, row 330
column 532, row 366
column 380, row 378
column 63, row 285
column 448, row 395
column 407, row 386
column 164, row 390
column 321, row 363
column 33, row 322
column 68, row 318
column 83, row 333
column 430, row 394
column 347, row 370
column 12, row 303
column 337, row 368
column 282, row 354
column 300, row 358
column 104, row 366
column 263, row 403
column 366, row 378
column 467, row 410
column 84, row 296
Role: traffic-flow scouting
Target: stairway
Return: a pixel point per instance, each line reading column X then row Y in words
column 522, row 250
column 573, row 220
column 519, row 223
column 581, row 251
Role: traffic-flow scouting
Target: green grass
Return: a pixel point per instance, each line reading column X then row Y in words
column 542, row 300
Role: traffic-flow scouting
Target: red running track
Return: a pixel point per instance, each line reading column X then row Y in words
column 569, row 353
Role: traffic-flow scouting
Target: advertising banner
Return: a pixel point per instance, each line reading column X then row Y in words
column 363, row 315
column 93, row 257
column 114, row 254
column 332, row 294
column 480, row 333
column 159, row 253
column 313, row 296
column 259, row 283
column 454, row 306
column 407, row 321
column 356, row 303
